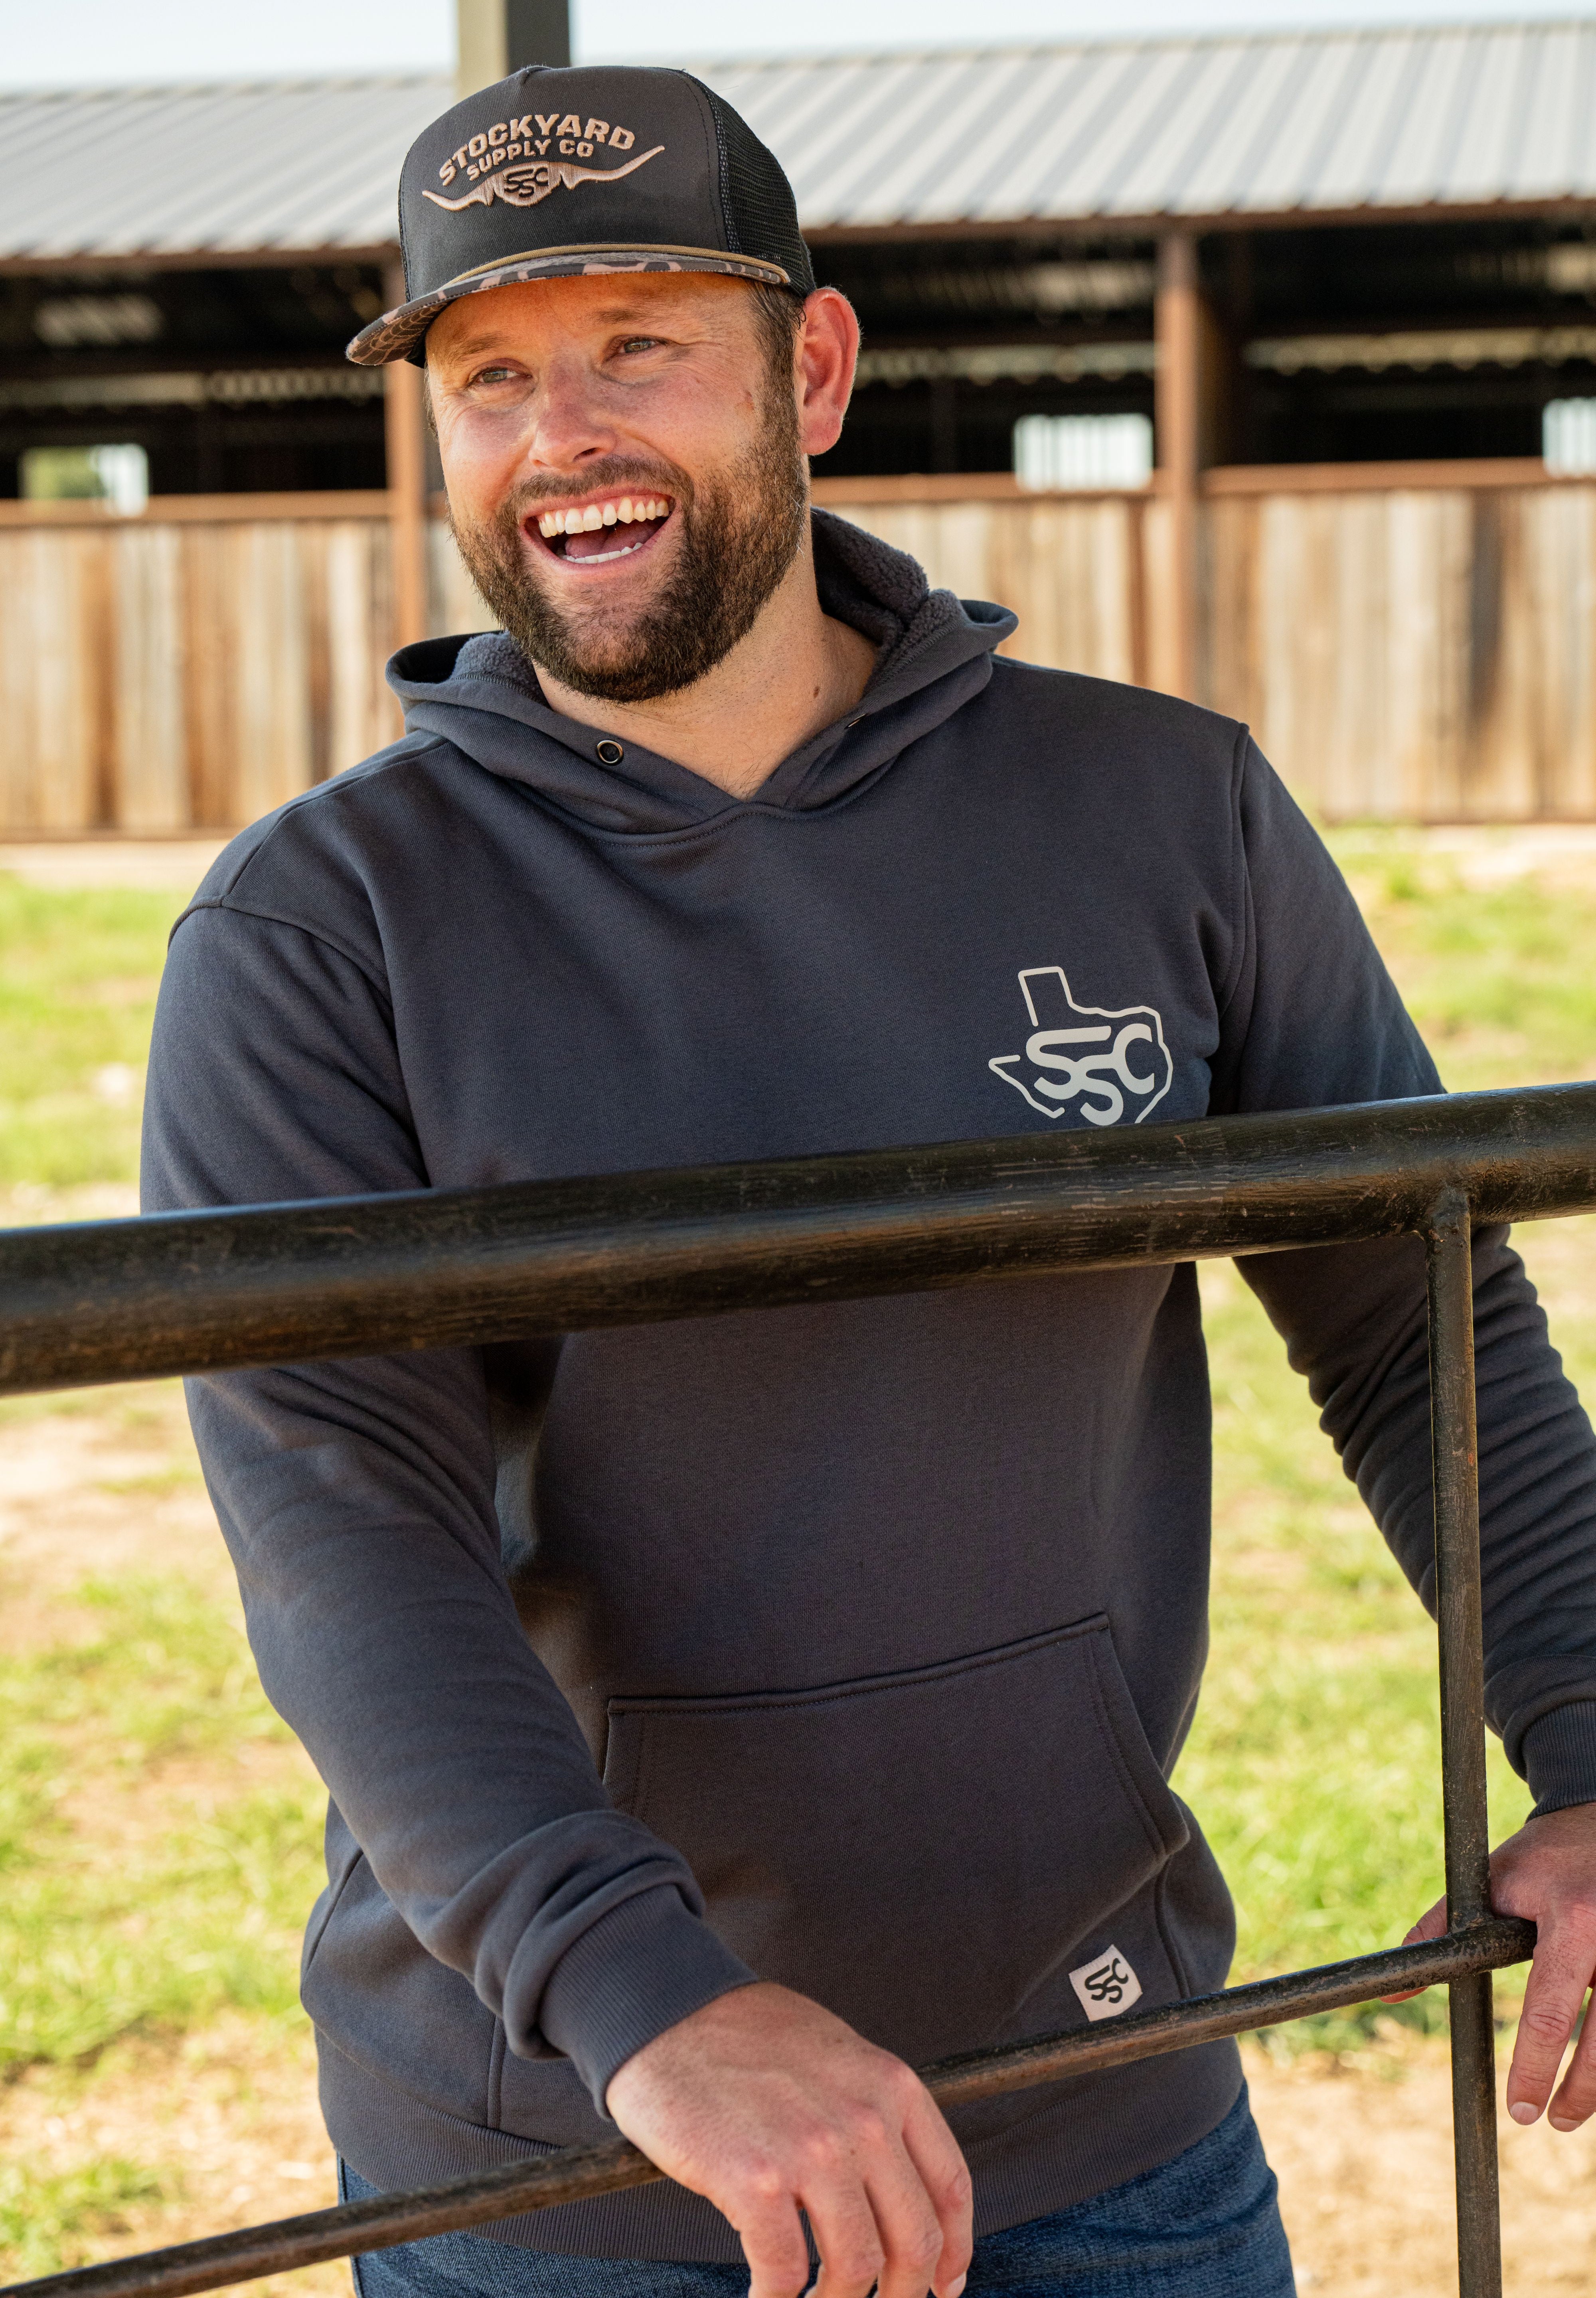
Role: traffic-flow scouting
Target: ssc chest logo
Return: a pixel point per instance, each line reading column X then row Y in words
column 1105, row 1065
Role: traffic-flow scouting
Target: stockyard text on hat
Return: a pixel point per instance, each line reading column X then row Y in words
column 559, row 172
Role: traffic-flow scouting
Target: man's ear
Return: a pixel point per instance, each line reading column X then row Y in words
column 827, row 353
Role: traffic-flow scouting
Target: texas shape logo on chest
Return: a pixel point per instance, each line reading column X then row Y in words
column 1102, row 1063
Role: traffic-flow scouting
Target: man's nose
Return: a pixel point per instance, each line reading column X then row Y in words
column 570, row 423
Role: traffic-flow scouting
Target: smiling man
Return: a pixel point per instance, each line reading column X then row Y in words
column 633, row 564
column 723, row 1718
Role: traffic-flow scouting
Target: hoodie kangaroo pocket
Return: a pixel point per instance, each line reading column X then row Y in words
column 922, row 1851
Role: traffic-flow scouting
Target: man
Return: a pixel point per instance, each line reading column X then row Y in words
column 723, row 1718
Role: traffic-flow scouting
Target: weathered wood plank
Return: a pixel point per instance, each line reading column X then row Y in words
column 266, row 671
column 54, row 704
column 1561, row 610
column 150, row 781
column 207, row 579
column 362, row 713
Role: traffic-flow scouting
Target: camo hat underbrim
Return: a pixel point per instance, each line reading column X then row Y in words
column 400, row 334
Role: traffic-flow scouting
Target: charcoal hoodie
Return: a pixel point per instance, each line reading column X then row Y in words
column 849, row 1646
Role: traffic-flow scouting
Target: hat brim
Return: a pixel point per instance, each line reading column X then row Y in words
column 399, row 334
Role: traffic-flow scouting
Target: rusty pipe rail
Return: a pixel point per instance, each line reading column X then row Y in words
column 132, row 1299
column 578, row 2173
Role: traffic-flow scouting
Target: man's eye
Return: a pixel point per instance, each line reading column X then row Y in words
column 641, row 343
column 494, row 374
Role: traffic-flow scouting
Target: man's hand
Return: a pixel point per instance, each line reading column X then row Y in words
column 763, row 2102
column 1547, row 1873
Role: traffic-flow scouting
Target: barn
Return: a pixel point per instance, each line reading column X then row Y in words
column 1260, row 368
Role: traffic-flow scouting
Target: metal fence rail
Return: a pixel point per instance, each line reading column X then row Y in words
column 184, row 1293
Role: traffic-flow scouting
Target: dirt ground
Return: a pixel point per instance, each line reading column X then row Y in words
column 1363, row 2152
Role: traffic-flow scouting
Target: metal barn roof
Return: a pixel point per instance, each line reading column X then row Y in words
column 1261, row 125
column 242, row 169
column 1272, row 124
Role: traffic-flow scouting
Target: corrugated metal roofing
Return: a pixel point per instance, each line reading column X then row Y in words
column 1252, row 124
column 242, row 168
column 1260, row 124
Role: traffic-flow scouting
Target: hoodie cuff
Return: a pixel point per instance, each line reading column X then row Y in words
column 645, row 1966
column 1559, row 1756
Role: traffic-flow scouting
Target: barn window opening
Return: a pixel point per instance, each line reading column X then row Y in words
column 118, row 476
column 1568, row 436
column 1083, row 451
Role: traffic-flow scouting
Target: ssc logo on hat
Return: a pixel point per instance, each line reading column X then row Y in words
column 523, row 187
column 701, row 194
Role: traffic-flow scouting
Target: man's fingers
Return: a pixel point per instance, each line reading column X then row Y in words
column 1429, row 1926
column 874, row 2218
column 1576, row 2099
column 1559, row 1977
column 772, row 2235
column 852, row 2252
column 934, row 2151
column 910, row 2230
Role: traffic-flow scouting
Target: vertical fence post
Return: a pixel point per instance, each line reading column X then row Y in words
column 405, row 434
column 1453, row 1445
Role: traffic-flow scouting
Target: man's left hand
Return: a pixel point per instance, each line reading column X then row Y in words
column 1547, row 1873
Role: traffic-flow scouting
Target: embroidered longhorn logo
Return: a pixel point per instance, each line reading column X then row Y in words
column 1105, row 1060
column 524, row 185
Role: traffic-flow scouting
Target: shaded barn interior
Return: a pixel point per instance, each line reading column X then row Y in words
column 964, row 338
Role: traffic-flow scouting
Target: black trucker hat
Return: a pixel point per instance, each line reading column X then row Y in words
column 599, row 168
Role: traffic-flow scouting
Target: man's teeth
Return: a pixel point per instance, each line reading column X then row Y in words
column 591, row 516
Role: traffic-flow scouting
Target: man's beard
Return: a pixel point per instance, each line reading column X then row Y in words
column 740, row 531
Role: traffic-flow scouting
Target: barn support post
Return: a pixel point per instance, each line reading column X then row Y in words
column 1177, row 387
column 497, row 37
column 405, row 438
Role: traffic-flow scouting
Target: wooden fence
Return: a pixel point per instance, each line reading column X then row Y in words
column 168, row 674
column 1423, row 650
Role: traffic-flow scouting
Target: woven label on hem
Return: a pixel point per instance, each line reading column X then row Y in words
column 1106, row 1986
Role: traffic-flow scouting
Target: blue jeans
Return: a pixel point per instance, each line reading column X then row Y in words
column 1204, row 2225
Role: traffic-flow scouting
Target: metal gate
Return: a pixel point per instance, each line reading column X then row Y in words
column 205, row 1292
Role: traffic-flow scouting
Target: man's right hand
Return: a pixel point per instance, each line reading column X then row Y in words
column 764, row 2103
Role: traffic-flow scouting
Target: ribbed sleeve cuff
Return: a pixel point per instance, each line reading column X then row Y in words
column 643, row 1967
column 1559, row 1756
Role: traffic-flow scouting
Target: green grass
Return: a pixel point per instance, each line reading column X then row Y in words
column 1314, row 1763
column 77, row 978
column 50, row 2222
column 1502, row 982
column 1315, row 1760
column 145, row 1881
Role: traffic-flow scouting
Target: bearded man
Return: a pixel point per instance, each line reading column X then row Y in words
column 722, row 1718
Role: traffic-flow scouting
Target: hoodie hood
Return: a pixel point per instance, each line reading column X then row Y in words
column 481, row 694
